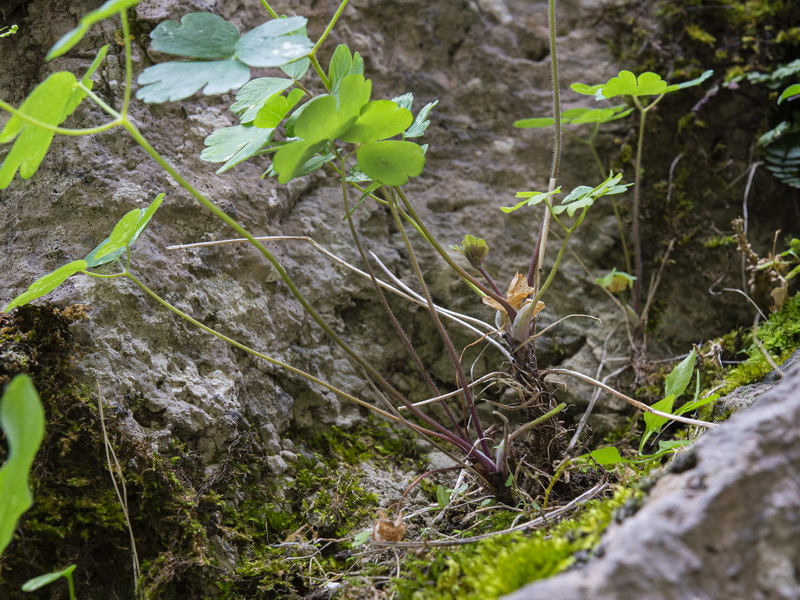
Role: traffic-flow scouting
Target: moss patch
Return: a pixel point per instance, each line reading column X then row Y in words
column 499, row 565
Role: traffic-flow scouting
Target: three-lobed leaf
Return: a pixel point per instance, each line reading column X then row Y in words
column 421, row 121
column 198, row 35
column 255, row 94
column 224, row 57
column 379, row 119
column 531, row 199
column 22, row 423
column 232, row 145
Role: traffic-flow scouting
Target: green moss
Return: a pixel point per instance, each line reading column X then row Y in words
column 499, row 565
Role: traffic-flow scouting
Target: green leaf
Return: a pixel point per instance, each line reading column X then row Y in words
column 535, row 123
column 47, row 283
column 793, row 273
column 678, row 380
column 171, row 81
column 233, row 145
column 616, row 281
column 361, row 538
column 597, row 115
column 654, row 423
column 290, row 161
column 43, row 580
column 125, row 233
column 22, row 423
column 583, row 196
column 695, row 404
column 607, row 456
column 792, row 90
column 71, row 38
column 531, row 199
column 691, row 82
column 379, row 119
column 274, row 111
column 391, row 162
column 255, row 94
column 421, row 121
column 353, row 94
column 646, row 84
column 199, row 35
column 442, row 497
column 586, row 90
column 297, row 69
column 628, row 84
column 343, row 64
column 51, row 102
column 268, row 45
column 405, row 101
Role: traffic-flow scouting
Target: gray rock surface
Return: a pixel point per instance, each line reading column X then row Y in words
column 724, row 523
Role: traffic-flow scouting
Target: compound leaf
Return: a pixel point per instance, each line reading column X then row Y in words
column 46, row 284
column 255, row 94
column 51, row 102
column 391, row 162
column 379, row 119
column 69, row 39
column 198, row 35
column 172, row 81
column 233, row 145
column 22, row 422
column 269, row 45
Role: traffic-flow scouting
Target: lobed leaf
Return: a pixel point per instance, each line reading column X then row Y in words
column 628, row 84
column 22, row 423
column 69, row 39
column 379, row 119
column 291, row 160
column 343, row 64
column 586, row 90
column 170, row 81
column 616, row 281
column 233, row 145
column 391, row 162
column 269, row 45
column 274, row 111
column 47, row 283
column 531, row 199
column 51, row 102
column 198, row 35
column 255, row 94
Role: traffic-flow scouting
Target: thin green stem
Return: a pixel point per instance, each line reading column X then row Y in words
column 271, row 12
column 329, row 28
column 448, row 259
column 637, row 242
column 102, row 104
column 560, row 255
column 320, row 72
column 557, row 135
column 60, row 130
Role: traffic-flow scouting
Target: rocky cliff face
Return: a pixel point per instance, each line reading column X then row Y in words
column 486, row 63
